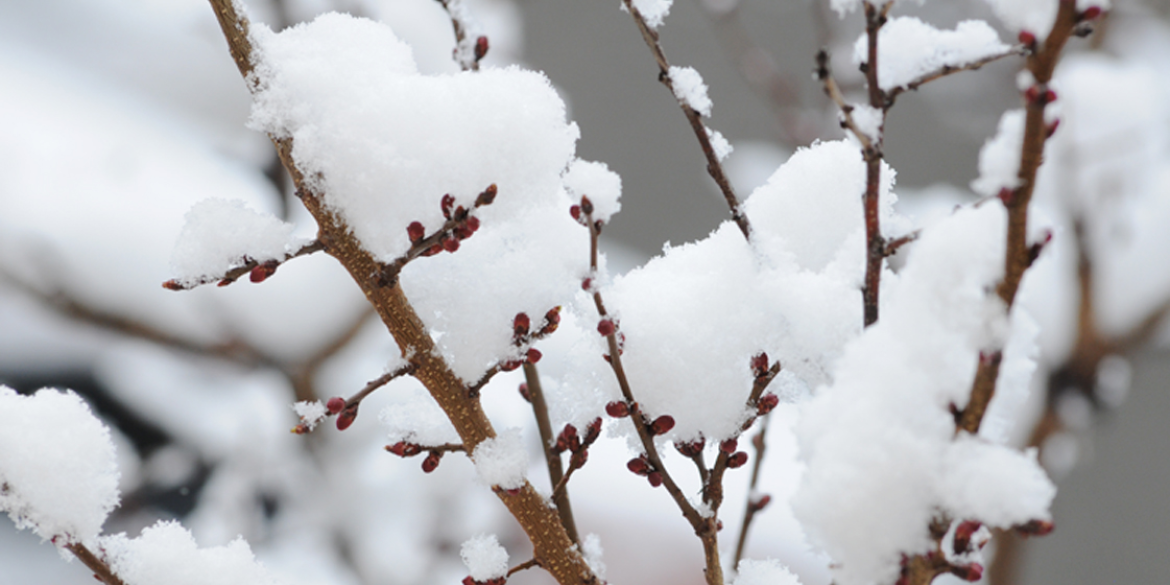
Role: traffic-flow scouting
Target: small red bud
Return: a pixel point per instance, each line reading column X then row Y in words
column 533, row 355
column 1051, row 129
column 300, row 429
column 605, row 327
column 172, row 285
column 416, row 231
column 586, row 205
column 520, row 324
column 655, row 478
column 1035, row 528
column 972, row 572
column 524, row 393
column 692, row 448
column 639, row 465
column 552, row 320
column 263, row 271
column 766, row 403
column 487, row 196
column 569, row 436
column 963, row 534
column 575, row 211
column 510, row 365
column 221, row 283
column 1027, row 39
column 729, row 446
column 718, row 525
column 461, row 232
column 579, row 458
column 1049, row 96
column 617, row 409
column 586, row 284
column 737, row 460
column 481, row 47
column 662, row 424
column 473, row 224
column 469, row 581
column 335, row 404
column 347, row 416
column 592, row 431
column 1090, row 13
column 1007, row 195
column 446, row 204
column 450, row 244
column 760, row 364
column 433, row 250
column 1031, row 94
column 432, row 461
column 762, row 502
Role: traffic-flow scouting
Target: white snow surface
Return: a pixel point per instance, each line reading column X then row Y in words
column 418, row 419
column 503, row 460
column 654, row 11
column 58, row 468
column 310, row 411
column 689, row 88
column 220, row 234
column 769, row 572
column 719, row 144
column 879, row 442
column 384, row 144
column 999, row 159
column 1036, row 16
column 166, row 554
column 601, row 185
column 909, row 48
column 484, row 557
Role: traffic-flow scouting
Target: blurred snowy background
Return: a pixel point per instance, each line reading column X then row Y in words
column 117, row 116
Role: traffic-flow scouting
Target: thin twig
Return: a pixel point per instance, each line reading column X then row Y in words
column 473, row 390
column 946, row 70
column 378, row 382
column 556, row 474
column 458, row 221
column 246, row 268
column 753, row 506
column 714, row 167
column 523, row 566
column 101, row 570
column 462, row 26
column 825, row 75
column 895, row 244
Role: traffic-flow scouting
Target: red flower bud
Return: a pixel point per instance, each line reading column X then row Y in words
column 592, row 431
column 760, row 364
column 586, row 284
column 347, row 416
column 692, row 448
column 416, row 231
column 481, row 47
column 586, row 205
column 737, row 460
column 469, row 581
column 432, row 461
column 524, row 393
column 579, row 458
column 1090, row 13
column 172, row 285
column 433, row 250
column 605, row 327
column 766, row 403
column 1051, row 129
column 963, row 534
column 1035, row 528
column 487, row 196
column 972, row 572
column 729, row 446
column 533, row 355
column 450, row 244
column 575, row 211
column 552, row 320
column 762, row 502
column 447, row 203
column 510, row 365
column 617, row 409
column 662, row 424
column 639, row 465
column 1027, row 39
column 335, row 404
column 655, row 478
column 520, row 324
column 263, row 271
column 473, row 224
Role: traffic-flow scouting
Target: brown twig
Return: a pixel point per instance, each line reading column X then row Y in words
column 551, row 544
column 556, row 474
column 714, row 167
column 946, row 70
column 353, row 402
column 895, row 244
column 753, row 505
column 462, row 27
column 248, row 267
column 523, row 566
column 101, row 571
column 456, row 227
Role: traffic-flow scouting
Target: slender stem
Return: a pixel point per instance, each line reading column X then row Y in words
column 946, row 70
column 249, row 264
column 752, row 506
column 523, row 566
column 101, row 570
column 714, row 167
column 556, row 475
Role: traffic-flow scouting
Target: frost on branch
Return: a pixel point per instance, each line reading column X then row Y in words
column 166, row 554
column 384, row 144
column 58, row 471
column 879, row 441
column 909, row 48
column 999, row 159
column 220, row 235
column 484, row 557
column 502, row 461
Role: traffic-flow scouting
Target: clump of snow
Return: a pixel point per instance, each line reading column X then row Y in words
column 166, row 554
column 654, row 11
column 869, row 120
column 689, row 88
column 769, row 572
column 909, row 48
column 999, row 159
column 384, row 144
column 879, row 440
column 310, row 411
column 593, row 553
column 484, row 557
column 719, row 144
column 219, row 234
column 418, row 419
column 601, row 185
column 58, row 468
column 502, row 461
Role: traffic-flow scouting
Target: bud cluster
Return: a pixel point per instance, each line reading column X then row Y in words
column 406, row 449
column 570, row 440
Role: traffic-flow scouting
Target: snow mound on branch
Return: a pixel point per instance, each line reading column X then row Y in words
column 220, row 234
column 689, row 88
column 769, row 572
column 58, row 469
column 484, row 557
column 384, row 144
column 502, row 461
column 999, row 159
column 418, row 419
column 879, row 441
column 166, row 554
column 596, row 181
column 1036, row 16
column 654, row 11
column 909, row 48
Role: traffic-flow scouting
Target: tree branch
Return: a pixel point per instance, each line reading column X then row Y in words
column 101, row 571
column 946, row 70
column 556, row 475
column 258, row 271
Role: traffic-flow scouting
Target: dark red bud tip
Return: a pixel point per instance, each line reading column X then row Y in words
column 1036, row 528
column 510, row 365
column 1091, row 13
column 586, row 205
column 533, row 355
column 450, row 244
column 520, row 324
column 469, row 581
column 692, row 448
column 447, row 203
column 575, row 211
column 1007, row 195
column 605, row 327
column 525, row 393
column 553, row 316
column 718, row 525
column 729, row 446
column 432, row 461
column 655, row 478
column 172, row 285
column 587, row 284
column 662, row 424
column 617, row 409
column 766, row 403
column 416, row 231
column 760, row 364
column 433, row 250
column 1049, row 96
column 963, row 533
column 481, row 47
column 398, row 448
column 473, row 224
column 487, row 196
column 1027, row 38
column 592, row 431
column 223, row 283
column 1051, row 129
column 335, row 404
column 737, row 460
column 639, row 465
column 762, row 502
column 347, row 416
column 300, row 429
column 1031, row 94
column 972, row 572
column 263, row 271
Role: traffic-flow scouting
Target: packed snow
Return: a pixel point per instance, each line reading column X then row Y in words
column 999, row 159
column 769, row 572
column 595, row 180
column 654, row 11
column 503, row 460
column 58, row 468
column 221, row 234
column 484, row 557
column 166, row 554
column 909, row 48
column 689, row 88
column 310, row 412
